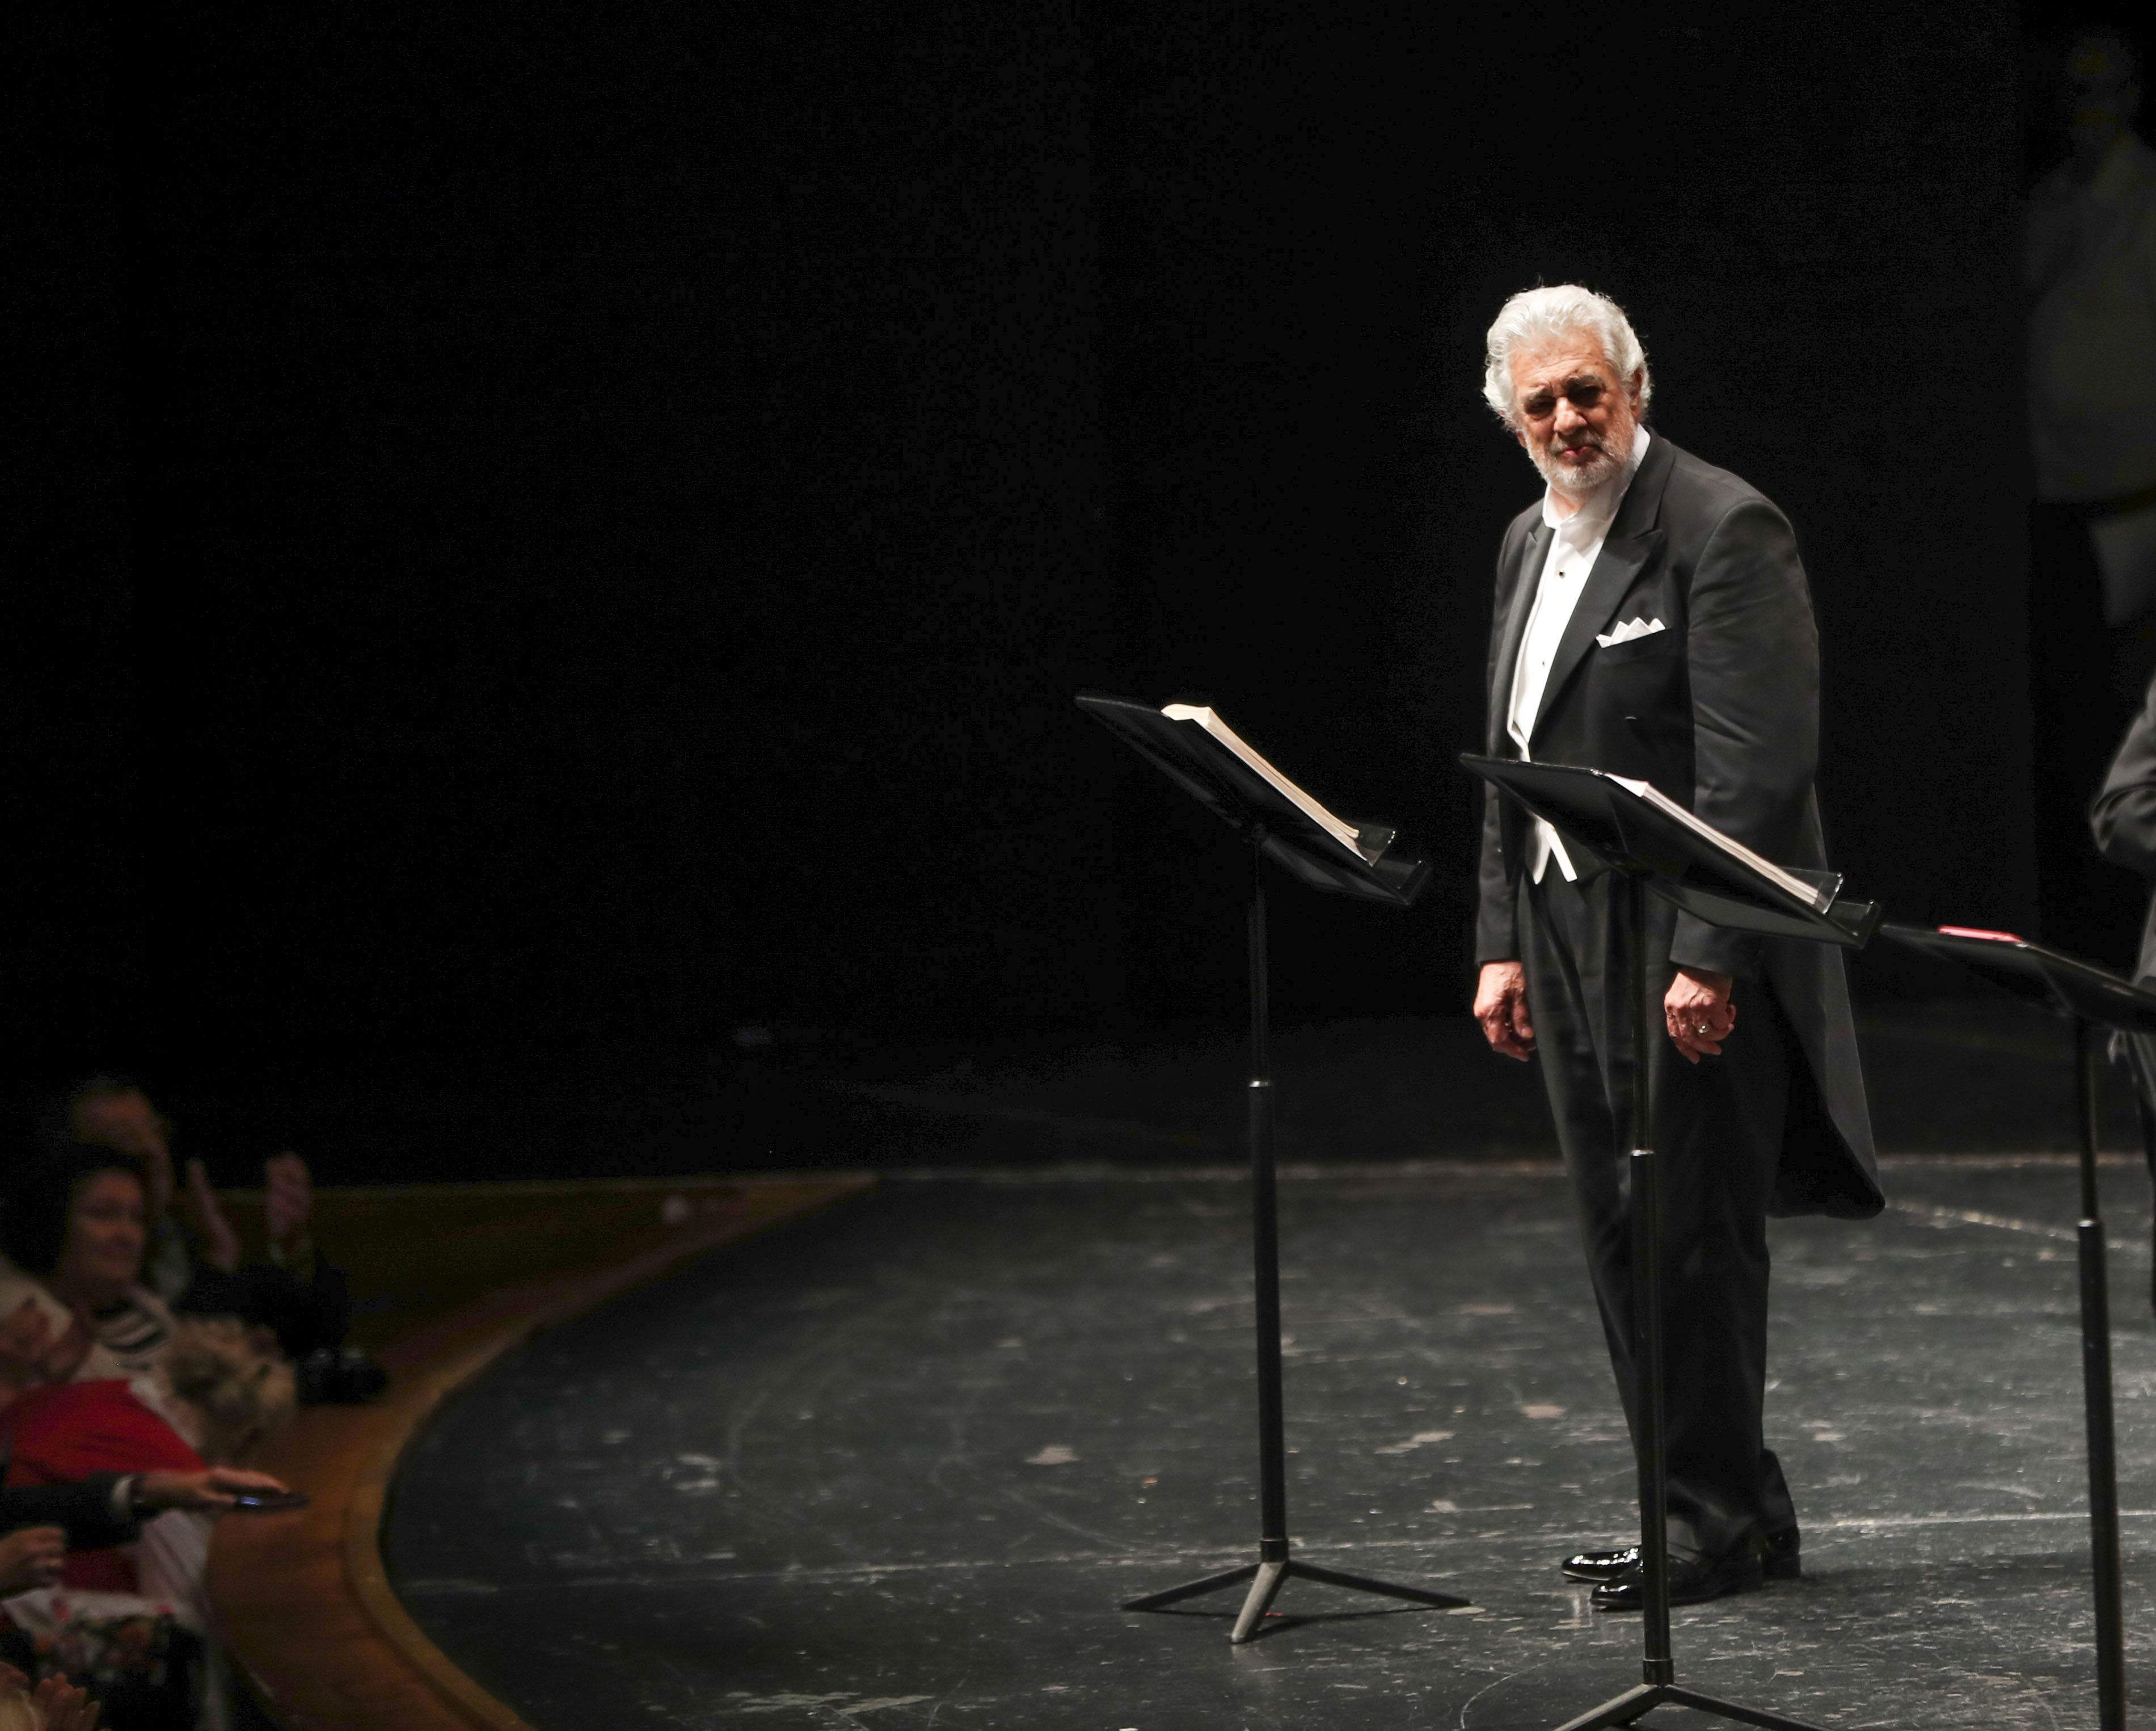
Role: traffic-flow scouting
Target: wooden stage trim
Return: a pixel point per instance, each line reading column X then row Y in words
column 304, row 1598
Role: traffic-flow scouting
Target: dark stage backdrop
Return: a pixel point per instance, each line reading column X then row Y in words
column 591, row 521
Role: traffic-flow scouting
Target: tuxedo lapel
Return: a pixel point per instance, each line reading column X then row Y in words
column 1632, row 541
column 1516, row 627
column 1615, row 568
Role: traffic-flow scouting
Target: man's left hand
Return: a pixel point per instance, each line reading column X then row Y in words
column 1698, row 1013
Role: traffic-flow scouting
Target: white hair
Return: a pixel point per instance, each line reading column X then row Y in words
column 1538, row 315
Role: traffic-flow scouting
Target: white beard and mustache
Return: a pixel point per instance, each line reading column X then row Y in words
column 1577, row 482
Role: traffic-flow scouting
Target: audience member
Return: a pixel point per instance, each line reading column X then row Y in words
column 2090, row 275
column 105, row 1508
column 75, row 1233
column 132, row 1621
column 194, row 1257
column 76, row 1223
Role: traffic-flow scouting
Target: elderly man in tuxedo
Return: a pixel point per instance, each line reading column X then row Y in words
column 1652, row 619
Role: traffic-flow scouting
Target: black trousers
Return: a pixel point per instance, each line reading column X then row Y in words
column 1718, row 1133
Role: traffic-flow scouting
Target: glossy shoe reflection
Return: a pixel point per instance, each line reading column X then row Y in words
column 1693, row 1580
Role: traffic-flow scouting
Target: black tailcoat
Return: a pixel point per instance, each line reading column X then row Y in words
column 1720, row 711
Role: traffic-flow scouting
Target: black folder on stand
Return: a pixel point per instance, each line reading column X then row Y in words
column 1635, row 828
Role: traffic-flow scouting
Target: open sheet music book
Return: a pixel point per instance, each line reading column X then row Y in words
column 1190, row 745
column 1347, row 834
column 1811, row 895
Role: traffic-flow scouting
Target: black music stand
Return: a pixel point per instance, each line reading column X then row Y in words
column 1653, row 845
column 2091, row 999
column 1278, row 828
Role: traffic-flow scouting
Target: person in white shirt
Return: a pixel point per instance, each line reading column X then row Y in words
column 1652, row 619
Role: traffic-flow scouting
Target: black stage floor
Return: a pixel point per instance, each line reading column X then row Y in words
column 896, row 1466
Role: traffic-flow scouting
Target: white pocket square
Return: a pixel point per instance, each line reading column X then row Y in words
column 1625, row 632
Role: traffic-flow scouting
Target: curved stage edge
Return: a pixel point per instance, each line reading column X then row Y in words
column 304, row 1600
column 897, row 1466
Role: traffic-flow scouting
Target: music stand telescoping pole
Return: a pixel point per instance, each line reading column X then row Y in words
column 1279, row 822
column 2092, row 999
column 1653, row 845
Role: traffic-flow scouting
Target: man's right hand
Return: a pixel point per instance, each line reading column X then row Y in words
column 1501, row 1006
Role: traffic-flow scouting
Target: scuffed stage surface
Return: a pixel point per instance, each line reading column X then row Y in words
column 895, row 1467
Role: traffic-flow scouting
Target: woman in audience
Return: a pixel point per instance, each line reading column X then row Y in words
column 194, row 1261
column 132, row 1621
column 76, row 1223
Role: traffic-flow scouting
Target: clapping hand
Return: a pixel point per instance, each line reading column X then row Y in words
column 220, row 1244
column 288, row 1206
column 31, row 1556
column 63, row 1707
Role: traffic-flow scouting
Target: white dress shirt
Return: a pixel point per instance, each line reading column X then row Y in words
column 1575, row 544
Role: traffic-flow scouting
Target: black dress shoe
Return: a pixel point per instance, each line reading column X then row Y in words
column 1600, row 1565
column 1693, row 1580
column 1779, row 1559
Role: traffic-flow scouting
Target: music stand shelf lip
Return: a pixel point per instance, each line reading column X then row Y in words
column 2063, row 984
column 1639, row 831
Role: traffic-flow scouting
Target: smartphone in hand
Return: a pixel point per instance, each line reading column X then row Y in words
column 265, row 1501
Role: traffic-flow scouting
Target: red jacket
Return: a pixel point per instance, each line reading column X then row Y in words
column 60, row 1433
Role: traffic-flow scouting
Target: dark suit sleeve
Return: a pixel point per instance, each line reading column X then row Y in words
column 2125, row 814
column 1496, row 914
column 85, row 1510
column 1752, row 651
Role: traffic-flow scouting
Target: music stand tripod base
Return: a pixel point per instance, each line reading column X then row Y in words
column 1274, row 1566
column 1634, row 1704
column 1268, row 1575
column 1250, row 798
